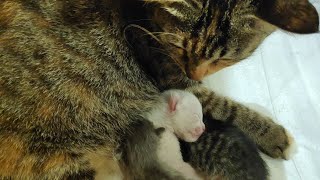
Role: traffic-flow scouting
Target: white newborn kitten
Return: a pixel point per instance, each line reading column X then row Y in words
column 180, row 113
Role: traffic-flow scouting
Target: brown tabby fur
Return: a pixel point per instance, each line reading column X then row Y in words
column 71, row 84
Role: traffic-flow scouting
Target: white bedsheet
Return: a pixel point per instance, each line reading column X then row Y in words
column 283, row 76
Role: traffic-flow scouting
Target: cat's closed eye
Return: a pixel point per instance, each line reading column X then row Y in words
column 201, row 31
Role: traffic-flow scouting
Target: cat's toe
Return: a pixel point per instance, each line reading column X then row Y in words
column 276, row 142
column 292, row 147
column 279, row 143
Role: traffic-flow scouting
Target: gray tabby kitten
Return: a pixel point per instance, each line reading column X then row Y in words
column 72, row 86
column 224, row 152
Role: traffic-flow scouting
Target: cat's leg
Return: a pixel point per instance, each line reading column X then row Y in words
column 83, row 175
column 109, row 169
column 106, row 166
column 270, row 137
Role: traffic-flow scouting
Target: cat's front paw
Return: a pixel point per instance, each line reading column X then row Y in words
column 278, row 143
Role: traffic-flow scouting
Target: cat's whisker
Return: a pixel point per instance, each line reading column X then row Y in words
column 167, row 33
column 178, row 46
column 143, row 29
column 166, row 54
column 158, row 34
column 162, row 51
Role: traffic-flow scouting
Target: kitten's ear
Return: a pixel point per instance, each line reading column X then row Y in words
column 298, row 16
column 173, row 101
column 159, row 131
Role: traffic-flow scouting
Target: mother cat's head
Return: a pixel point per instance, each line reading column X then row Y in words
column 204, row 36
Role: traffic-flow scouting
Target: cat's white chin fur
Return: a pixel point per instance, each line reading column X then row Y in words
column 292, row 148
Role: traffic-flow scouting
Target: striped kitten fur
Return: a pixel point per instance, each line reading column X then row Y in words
column 224, row 151
column 76, row 75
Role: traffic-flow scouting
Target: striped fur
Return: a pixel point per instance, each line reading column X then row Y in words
column 214, row 34
column 71, row 85
column 207, row 38
column 65, row 76
column 224, row 151
column 272, row 138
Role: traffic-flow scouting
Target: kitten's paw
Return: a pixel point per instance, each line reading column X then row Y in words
column 278, row 143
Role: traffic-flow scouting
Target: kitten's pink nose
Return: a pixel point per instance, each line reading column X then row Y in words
column 203, row 127
column 199, row 130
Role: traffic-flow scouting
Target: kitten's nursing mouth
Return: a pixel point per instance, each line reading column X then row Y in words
column 191, row 135
column 198, row 133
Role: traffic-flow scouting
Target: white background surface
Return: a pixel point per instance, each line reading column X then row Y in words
column 283, row 76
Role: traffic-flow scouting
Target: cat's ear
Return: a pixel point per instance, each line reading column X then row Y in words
column 173, row 101
column 298, row 16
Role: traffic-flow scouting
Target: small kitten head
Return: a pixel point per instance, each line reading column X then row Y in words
column 204, row 36
column 185, row 112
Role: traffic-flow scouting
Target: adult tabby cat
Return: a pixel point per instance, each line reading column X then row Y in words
column 71, row 85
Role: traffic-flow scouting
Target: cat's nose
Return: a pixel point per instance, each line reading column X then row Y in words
column 198, row 73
